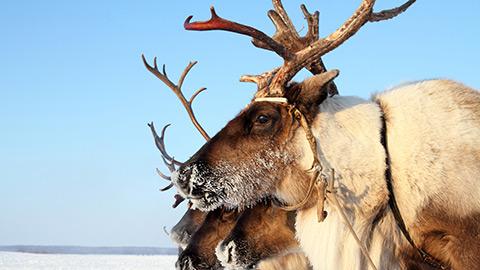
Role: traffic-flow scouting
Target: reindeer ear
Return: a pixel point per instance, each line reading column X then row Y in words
column 312, row 91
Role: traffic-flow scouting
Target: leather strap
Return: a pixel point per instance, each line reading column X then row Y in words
column 427, row 258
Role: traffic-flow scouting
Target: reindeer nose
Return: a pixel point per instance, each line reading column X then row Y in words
column 184, row 263
column 226, row 252
column 180, row 239
column 181, row 179
column 230, row 253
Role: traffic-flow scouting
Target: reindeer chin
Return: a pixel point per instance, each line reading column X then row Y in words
column 180, row 239
column 195, row 263
column 185, row 264
column 231, row 256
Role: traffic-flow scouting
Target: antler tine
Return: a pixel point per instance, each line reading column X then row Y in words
column 167, row 187
column 170, row 162
column 165, row 154
column 277, row 4
column 218, row 23
column 170, row 165
column 313, row 35
column 261, row 80
column 390, row 13
column 192, row 98
column 160, row 143
column 168, row 178
column 285, row 32
column 308, row 55
column 184, row 73
column 177, row 89
column 312, row 22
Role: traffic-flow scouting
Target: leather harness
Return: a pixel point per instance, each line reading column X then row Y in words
column 427, row 258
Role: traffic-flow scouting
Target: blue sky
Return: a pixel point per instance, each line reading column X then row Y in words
column 76, row 158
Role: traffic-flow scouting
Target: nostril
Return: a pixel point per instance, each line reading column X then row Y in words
column 181, row 178
column 229, row 254
column 196, row 192
column 178, row 265
column 185, row 264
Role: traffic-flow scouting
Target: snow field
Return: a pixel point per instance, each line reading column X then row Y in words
column 29, row 261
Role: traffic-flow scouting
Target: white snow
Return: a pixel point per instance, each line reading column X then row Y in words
column 29, row 261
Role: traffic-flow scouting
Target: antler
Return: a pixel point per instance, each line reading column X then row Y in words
column 218, row 23
column 177, row 89
column 320, row 47
column 169, row 161
column 287, row 35
column 304, row 52
column 284, row 42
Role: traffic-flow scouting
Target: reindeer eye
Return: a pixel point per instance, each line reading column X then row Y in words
column 262, row 119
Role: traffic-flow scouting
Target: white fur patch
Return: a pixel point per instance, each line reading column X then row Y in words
column 348, row 138
column 231, row 185
column 226, row 255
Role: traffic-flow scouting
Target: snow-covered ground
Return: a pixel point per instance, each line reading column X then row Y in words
column 27, row 261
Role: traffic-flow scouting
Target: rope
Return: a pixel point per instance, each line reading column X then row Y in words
column 334, row 201
column 317, row 167
column 319, row 180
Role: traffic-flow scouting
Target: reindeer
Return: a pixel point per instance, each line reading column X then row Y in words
column 198, row 233
column 200, row 252
column 390, row 182
column 267, row 241
column 263, row 237
column 182, row 232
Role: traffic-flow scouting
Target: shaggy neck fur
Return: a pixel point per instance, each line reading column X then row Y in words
column 289, row 261
column 348, row 135
column 432, row 132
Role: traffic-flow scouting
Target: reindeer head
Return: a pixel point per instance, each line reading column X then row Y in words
column 200, row 252
column 261, row 232
column 267, row 147
column 182, row 232
column 240, row 239
column 262, row 139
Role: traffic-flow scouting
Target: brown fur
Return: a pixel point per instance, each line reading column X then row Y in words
column 261, row 232
column 188, row 224
column 240, row 144
column 432, row 131
column 200, row 252
column 292, row 261
column 268, row 231
column 237, row 144
column 245, row 131
column 453, row 239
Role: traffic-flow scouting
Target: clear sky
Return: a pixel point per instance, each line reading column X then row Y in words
column 76, row 158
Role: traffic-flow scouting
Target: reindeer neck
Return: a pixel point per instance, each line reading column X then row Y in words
column 348, row 131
